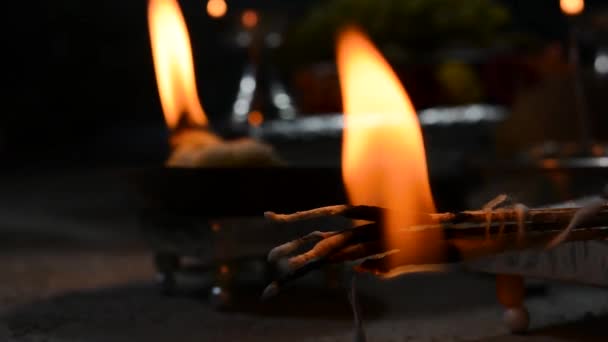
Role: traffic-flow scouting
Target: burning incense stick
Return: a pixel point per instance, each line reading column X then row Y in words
column 469, row 219
column 467, row 235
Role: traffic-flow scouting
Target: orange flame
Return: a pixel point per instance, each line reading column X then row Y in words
column 383, row 157
column 572, row 7
column 173, row 64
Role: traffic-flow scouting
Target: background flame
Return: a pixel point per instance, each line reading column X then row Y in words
column 217, row 8
column 173, row 64
column 572, row 7
column 383, row 157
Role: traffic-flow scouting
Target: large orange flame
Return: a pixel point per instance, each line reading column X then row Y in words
column 572, row 7
column 173, row 64
column 383, row 157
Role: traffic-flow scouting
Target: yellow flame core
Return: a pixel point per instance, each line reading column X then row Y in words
column 572, row 7
column 383, row 156
column 173, row 64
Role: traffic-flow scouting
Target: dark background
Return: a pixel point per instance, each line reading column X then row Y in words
column 81, row 87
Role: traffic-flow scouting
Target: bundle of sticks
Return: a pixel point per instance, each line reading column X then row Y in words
column 499, row 226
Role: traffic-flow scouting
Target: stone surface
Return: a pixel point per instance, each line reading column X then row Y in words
column 102, row 295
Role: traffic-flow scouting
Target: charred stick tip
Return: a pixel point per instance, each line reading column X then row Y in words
column 293, row 245
column 271, row 290
column 321, row 250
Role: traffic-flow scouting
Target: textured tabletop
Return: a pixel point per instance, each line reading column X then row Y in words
column 70, row 274
column 109, row 295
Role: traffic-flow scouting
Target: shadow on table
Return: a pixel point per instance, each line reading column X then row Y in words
column 139, row 311
column 590, row 328
column 413, row 296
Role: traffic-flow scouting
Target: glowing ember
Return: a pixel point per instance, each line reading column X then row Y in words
column 173, row 64
column 383, row 157
column 572, row 7
column 216, row 8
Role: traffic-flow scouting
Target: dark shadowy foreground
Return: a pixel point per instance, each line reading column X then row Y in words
column 71, row 273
